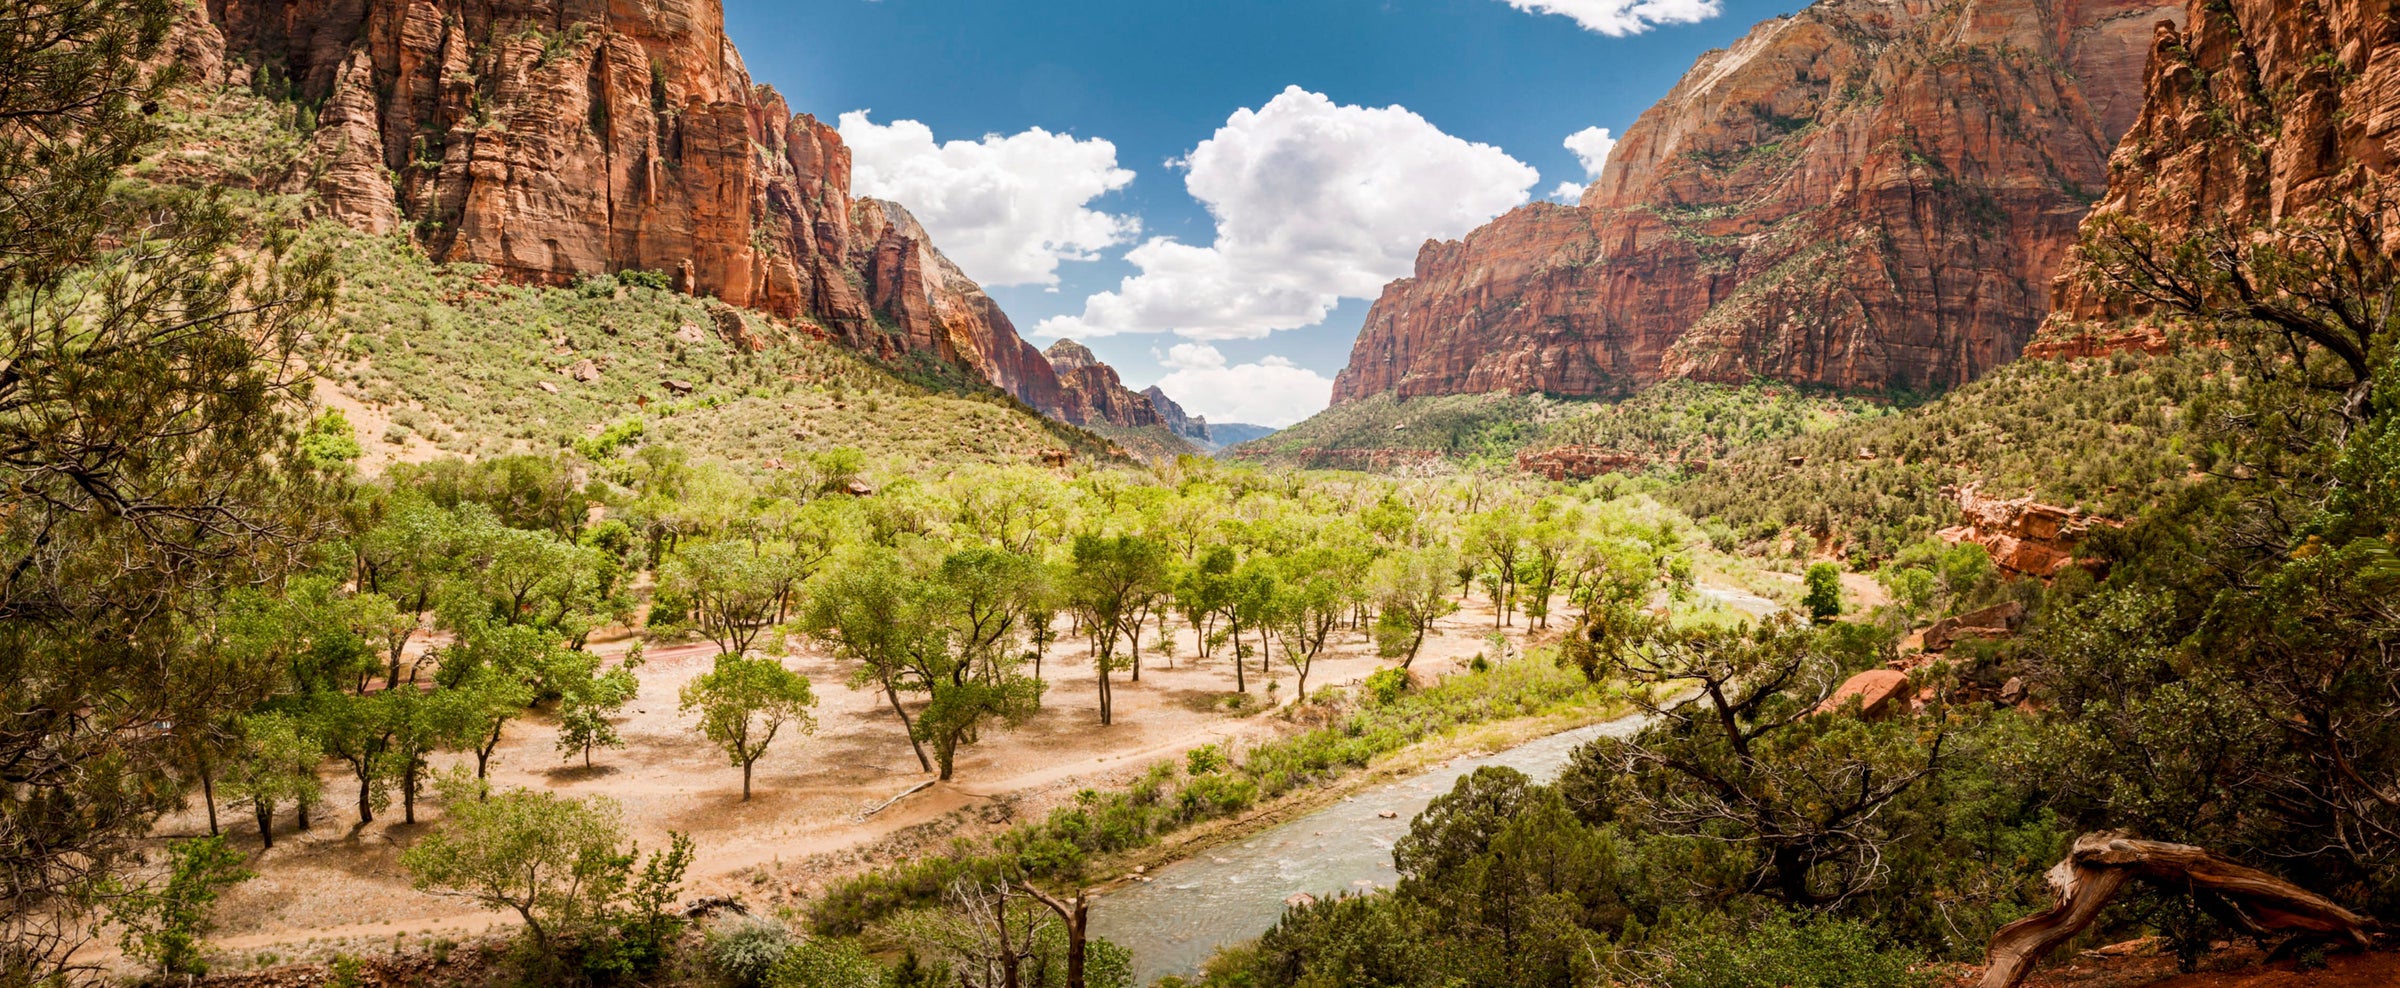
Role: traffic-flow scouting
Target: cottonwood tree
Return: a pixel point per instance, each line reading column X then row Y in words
column 872, row 610
column 734, row 589
column 1411, row 588
column 1111, row 584
column 744, row 703
column 584, row 709
column 356, row 730
column 275, row 765
column 562, row 864
column 1311, row 598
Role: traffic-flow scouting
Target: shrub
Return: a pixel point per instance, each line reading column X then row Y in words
column 819, row 963
column 1386, row 685
column 1784, row 951
column 745, row 950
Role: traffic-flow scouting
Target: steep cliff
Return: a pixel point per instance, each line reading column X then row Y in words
column 1866, row 194
column 1172, row 416
column 2254, row 111
column 1090, row 391
column 557, row 139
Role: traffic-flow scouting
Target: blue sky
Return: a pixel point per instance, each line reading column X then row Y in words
column 1058, row 148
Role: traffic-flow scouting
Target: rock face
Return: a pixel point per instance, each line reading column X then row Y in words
column 1866, row 194
column 558, row 139
column 1090, row 392
column 2253, row 111
column 1565, row 463
column 1171, row 415
column 2022, row 535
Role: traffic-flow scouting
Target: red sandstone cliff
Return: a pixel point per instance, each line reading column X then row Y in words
column 553, row 139
column 2254, row 111
column 1090, row 391
column 1869, row 193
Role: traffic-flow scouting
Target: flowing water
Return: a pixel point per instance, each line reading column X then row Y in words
column 1235, row 891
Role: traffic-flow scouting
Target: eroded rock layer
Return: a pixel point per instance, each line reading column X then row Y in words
column 1866, row 194
column 557, row 139
column 2254, row 111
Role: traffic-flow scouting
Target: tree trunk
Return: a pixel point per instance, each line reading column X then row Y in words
column 1239, row 671
column 265, row 812
column 1075, row 914
column 301, row 814
column 746, row 779
column 2100, row 865
column 892, row 690
column 366, row 806
column 408, row 792
column 208, row 793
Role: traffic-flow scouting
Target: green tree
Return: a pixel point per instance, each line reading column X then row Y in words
column 1411, row 589
column 734, row 589
column 1823, row 598
column 276, row 765
column 164, row 924
column 1312, row 596
column 744, row 703
column 357, row 730
column 562, row 864
column 584, row 709
column 1112, row 583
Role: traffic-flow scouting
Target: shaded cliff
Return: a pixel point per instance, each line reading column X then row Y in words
column 1090, row 391
column 1172, row 415
column 2254, row 111
column 558, row 139
column 1866, row 194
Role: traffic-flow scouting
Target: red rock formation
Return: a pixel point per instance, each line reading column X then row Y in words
column 557, row 139
column 2254, row 111
column 2022, row 535
column 1172, row 416
column 2074, row 339
column 1089, row 391
column 1578, row 462
column 1869, row 193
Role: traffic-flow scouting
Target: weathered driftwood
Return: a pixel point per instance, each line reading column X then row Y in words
column 2101, row 863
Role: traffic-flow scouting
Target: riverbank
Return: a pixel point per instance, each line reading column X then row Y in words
column 1463, row 741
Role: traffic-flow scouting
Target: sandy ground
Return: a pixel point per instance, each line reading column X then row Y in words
column 339, row 884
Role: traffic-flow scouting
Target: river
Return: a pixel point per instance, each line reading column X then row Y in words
column 1235, row 891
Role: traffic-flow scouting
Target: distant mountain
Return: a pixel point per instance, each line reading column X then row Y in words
column 1236, row 433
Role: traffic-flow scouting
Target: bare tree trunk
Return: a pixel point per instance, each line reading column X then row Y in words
column 1074, row 913
column 2102, row 863
column 265, row 812
column 208, row 792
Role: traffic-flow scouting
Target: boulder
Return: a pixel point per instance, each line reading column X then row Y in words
column 1991, row 623
column 1874, row 689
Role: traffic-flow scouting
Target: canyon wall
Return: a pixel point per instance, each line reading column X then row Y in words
column 1174, row 418
column 1865, row 194
column 557, row 139
column 2255, row 111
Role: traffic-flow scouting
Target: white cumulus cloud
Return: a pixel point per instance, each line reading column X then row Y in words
column 1273, row 391
column 1591, row 146
column 1314, row 202
column 1006, row 208
column 1618, row 18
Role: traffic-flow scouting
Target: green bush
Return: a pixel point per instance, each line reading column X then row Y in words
column 745, row 950
column 1781, row 950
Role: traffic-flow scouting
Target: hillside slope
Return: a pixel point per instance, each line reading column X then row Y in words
column 553, row 140
column 1866, row 194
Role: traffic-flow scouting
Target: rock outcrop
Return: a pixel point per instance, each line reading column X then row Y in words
column 2021, row 534
column 1090, row 391
column 1865, row 194
column 1565, row 463
column 560, row 139
column 1171, row 415
column 2254, row 111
